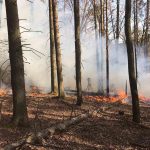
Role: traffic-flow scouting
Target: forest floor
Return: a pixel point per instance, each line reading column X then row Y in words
column 111, row 128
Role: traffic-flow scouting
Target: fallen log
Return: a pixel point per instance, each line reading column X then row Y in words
column 37, row 138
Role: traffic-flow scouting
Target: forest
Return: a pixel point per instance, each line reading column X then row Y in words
column 74, row 74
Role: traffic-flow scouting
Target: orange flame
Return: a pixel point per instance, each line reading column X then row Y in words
column 3, row 92
column 36, row 92
column 119, row 97
column 144, row 99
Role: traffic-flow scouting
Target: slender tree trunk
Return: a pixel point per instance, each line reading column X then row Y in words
column 102, row 18
column 117, row 21
column 52, row 50
column 95, row 20
column 131, row 64
column 147, row 27
column 78, row 51
column 107, row 52
column 136, row 33
column 99, row 79
column 17, row 65
column 117, row 29
column 102, row 34
column 147, row 20
column 58, row 50
column 112, row 22
column 135, row 22
column 1, row 4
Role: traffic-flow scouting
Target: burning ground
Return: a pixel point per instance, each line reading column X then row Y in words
column 110, row 128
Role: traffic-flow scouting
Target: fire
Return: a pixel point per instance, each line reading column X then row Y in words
column 144, row 99
column 3, row 92
column 122, row 96
column 36, row 92
column 119, row 97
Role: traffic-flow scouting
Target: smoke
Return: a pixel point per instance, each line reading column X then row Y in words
column 1, row 4
column 38, row 71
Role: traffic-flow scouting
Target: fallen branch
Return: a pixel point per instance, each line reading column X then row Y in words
column 38, row 137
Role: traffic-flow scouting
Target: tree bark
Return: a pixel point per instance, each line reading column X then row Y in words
column 78, row 51
column 58, row 50
column 1, row 4
column 136, row 22
column 131, row 64
column 147, row 27
column 107, row 52
column 117, row 22
column 99, row 79
column 52, row 50
column 117, row 29
column 102, row 17
column 112, row 22
column 102, row 34
column 16, row 62
column 136, row 34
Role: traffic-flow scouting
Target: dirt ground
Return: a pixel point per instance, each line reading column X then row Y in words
column 111, row 128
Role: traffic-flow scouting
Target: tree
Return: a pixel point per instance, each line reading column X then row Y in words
column 107, row 52
column 117, row 20
column 117, row 28
column 99, row 79
column 17, row 65
column 78, row 51
column 52, row 50
column 58, row 50
column 131, row 64
column 136, row 28
column 135, row 21
column 147, row 26
column 102, row 33
column 1, row 4
column 102, row 17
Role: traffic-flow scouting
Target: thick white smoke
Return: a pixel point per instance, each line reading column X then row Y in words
column 38, row 71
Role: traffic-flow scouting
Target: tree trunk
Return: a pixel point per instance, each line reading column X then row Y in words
column 147, row 27
column 78, row 51
column 117, row 29
column 136, row 34
column 1, row 4
column 136, row 22
column 17, row 65
column 99, row 79
column 107, row 52
column 102, row 34
column 102, row 17
column 52, row 50
column 112, row 22
column 58, row 50
column 117, row 22
column 131, row 64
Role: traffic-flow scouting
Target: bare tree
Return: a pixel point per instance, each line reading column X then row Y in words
column 136, row 37
column 78, row 51
column 131, row 64
column 107, row 52
column 102, row 17
column 52, row 50
column 117, row 20
column 147, row 26
column 58, row 50
column 17, row 65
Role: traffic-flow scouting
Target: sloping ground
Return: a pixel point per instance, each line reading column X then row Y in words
column 111, row 128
